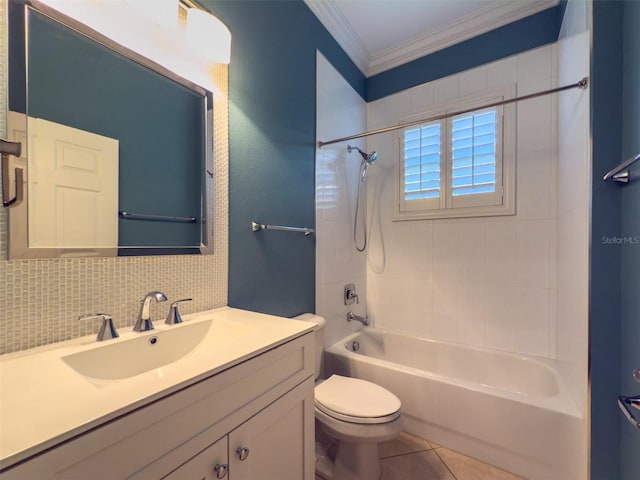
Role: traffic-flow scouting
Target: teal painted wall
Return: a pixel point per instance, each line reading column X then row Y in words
column 605, row 285
column 630, row 253
column 615, row 268
column 272, row 149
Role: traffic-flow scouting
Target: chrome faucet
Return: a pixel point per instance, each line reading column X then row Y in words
column 363, row 320
column 173, row 317
column 143, row 323
column 107, row 328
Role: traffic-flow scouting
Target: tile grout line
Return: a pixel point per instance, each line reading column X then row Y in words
column 406, row 453
column 445, row 464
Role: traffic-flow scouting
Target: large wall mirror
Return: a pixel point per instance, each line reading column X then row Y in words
column 119, row 150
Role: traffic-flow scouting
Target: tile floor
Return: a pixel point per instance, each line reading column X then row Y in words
column 412, row 458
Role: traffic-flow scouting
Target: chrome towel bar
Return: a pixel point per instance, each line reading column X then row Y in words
column 160, row 218
column 627, row 404
column 621, row 172
column 255, row 227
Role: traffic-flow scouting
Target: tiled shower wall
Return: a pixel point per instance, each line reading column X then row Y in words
column 40, row 300
column 340, row 111
column 478, row 281
column 574, row 179
column 574, row 172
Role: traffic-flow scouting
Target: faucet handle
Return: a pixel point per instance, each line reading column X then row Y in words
column 173, row 316
column 107, row 329
column 350, row 294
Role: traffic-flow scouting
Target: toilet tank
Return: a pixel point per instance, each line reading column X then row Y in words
column 318, row 332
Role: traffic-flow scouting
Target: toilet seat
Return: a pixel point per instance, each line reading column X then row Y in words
column 356, row 401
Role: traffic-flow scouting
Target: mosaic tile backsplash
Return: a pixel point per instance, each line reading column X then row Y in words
column 40, row 300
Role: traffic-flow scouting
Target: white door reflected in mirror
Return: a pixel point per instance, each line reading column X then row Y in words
column 72, row 187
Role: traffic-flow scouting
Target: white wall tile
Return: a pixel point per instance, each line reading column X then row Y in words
column 422, row 96
column 534, row 66
column 446, row 89
column 535, row 125
column 500, row 327
column 423, row 321
column 535, row 185
column 467, row 280
column 400, row 241
column 445, row 301
column 340, row 111
column 473, row 81
column 422, row 236
column 532, row 321
column 571, row 302
column 502, row 72
column 472, row 267
column 471, row 314
column 445, row 252
column 501, row 253
column 533, row 247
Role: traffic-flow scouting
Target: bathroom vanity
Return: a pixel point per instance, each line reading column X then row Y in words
column 239, row 405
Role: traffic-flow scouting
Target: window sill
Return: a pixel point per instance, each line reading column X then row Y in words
column 452, row 213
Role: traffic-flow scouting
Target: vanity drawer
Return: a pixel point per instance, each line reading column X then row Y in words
column 216, row 404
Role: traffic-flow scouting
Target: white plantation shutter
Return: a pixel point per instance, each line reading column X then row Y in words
column 461, row 166
column 422, row 162
column 473, row 153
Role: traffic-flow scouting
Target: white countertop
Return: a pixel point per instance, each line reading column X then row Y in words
column 43, row 401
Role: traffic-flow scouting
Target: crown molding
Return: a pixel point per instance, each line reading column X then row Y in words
column 341, row 30
column 494, row 15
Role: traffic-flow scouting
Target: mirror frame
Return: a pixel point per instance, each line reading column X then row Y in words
column 18, row 235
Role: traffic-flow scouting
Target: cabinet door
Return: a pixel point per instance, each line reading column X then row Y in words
column 210, row 464
column 279, row 441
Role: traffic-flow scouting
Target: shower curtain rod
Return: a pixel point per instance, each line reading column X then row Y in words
column 582, row 84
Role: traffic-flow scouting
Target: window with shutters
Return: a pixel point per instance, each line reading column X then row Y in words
column 460, row 166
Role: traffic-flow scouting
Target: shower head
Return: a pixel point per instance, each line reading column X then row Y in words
column 367, row 157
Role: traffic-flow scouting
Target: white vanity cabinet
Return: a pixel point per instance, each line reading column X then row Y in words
column 270, row 445
column 209, row 464
column 263, row 403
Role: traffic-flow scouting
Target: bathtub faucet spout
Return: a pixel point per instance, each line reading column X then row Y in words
column 363, row 320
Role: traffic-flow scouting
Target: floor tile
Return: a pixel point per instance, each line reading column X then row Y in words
column 434, row 444
column 467, row 468
column 405, row 443
column 415, row 466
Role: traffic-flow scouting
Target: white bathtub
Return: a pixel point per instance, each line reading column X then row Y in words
column 511, row 411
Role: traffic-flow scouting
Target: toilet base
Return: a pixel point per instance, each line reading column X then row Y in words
column 353, row 461
column 357, row 461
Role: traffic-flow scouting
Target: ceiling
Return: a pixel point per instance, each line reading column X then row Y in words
column 382, row 34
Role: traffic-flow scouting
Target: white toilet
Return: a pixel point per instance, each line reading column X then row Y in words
column 356, row 413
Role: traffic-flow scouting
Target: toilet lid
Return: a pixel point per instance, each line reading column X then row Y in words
column 354, row 397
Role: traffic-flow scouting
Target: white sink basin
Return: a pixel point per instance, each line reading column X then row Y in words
column 125, row 358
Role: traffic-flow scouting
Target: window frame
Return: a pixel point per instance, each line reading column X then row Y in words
column 500, row 202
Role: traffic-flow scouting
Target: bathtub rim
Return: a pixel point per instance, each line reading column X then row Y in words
column 562, row 402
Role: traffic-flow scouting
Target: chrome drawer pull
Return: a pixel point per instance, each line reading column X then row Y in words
column 221, row 470
column 243, row 453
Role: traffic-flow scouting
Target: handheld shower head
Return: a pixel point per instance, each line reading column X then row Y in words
column 367, row 157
